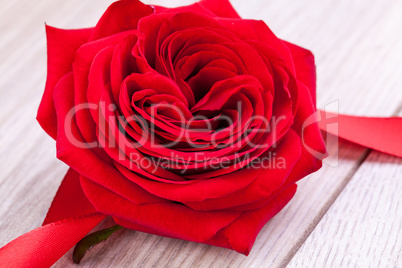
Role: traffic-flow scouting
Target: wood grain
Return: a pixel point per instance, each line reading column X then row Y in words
column 358, row 54
column 363, row 228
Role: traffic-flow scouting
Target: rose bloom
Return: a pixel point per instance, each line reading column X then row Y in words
column 167, row 115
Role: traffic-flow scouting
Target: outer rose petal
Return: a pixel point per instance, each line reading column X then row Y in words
column 61, row 48
column 221, row 8
column 213, row 8
column 312, row 140
column 70, row 201
column 121, row 16
column 313, row 146
column 310, row 132
column 196, row 8
column 241, row 234
column 170, row 219
column 305, row 68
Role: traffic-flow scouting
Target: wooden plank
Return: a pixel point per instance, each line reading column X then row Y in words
column 363, row 228
column 30, row 174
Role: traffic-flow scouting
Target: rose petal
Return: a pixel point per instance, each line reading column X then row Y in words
column 170, row 219
column 313, row 146
column 120, row 16
column 241, row 234
column 61, row 48
column 196, row 190
column 305, row 68
column 306, row 124
column 221, row 8
column 81, row 69
column 73, row 150
column 158, row 27
column 196, row 8
column 70, row 201
column 270, row 178
column 258, row 30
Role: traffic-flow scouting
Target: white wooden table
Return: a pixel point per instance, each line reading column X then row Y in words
column 344, row 216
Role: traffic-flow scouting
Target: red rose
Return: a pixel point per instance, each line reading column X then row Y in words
column 184, row 122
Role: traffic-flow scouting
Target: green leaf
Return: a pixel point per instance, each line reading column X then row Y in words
column 92, row 240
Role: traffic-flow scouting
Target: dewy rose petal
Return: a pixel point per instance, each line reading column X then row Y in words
column 166, row 112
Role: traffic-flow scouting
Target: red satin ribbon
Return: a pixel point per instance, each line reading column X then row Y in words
column 70, row 218
column 378, row 133
column 43, row 246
